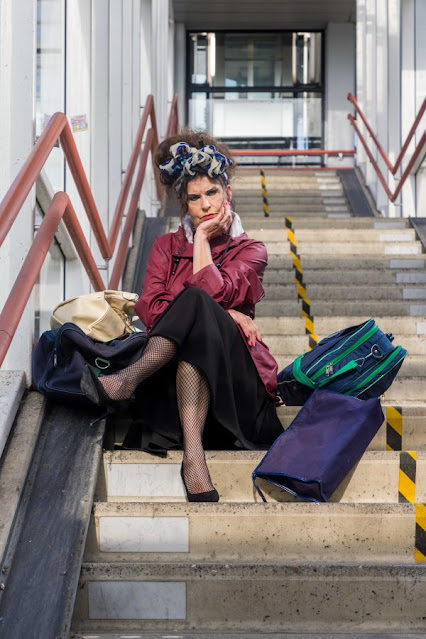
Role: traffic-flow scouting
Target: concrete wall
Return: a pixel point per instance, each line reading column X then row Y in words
column 339, row 81
column 17, row 131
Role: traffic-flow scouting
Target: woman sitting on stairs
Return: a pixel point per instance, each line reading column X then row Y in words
column 206, row 378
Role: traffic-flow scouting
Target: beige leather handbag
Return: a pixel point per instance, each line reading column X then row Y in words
column 103, row 316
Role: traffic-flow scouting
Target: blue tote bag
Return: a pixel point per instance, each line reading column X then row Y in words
column 319, row 448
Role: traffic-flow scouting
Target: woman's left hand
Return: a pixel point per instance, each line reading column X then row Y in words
column 249, row 328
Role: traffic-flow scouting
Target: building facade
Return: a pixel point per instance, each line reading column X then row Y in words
column 274, row 75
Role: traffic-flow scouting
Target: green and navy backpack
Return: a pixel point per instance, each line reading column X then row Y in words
column 360, row 361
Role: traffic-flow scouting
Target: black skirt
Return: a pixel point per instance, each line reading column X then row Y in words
column 241, row 413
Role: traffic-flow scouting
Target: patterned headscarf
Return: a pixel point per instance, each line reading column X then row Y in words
column 186, row 158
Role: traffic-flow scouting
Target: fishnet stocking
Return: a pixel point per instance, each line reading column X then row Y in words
column 158, row 351
column 193, row 398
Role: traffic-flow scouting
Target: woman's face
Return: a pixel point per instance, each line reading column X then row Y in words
column 205, row 198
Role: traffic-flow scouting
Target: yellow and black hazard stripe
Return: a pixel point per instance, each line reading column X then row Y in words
column 393, row 428
column 407, row 477
column 301, row 288
column 420, row 540
column 264, row 193
column 407, row 494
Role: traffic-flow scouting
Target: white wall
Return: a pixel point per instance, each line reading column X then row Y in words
column 180, row 68
column 110, row 65
column 339, row 81
column 17, row 131
column 162, row 60
column 78, row 102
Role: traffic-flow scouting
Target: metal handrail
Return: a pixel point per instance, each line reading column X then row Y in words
column 412, row 165
column 173, row 122
column 62, row 208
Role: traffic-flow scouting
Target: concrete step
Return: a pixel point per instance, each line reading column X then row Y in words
column 296, row 175
column 274, row 222
column 282, row 206
column 137, row 532
column 286, row 291
column 274, row 186
column 349, row 262
column 399, row 326
column 135, row 476
column 343, row 291
column 289, row 308
column 414, row 281
column 326, row 247
column 360, row 277
column 348, row 308
column 361, row 293
column 338, row 235
column 275, row 200
column 219, row 634
column 300, row 597
column 297, row 344
column 323, row 213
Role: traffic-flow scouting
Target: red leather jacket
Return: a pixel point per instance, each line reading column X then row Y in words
column 237, row 285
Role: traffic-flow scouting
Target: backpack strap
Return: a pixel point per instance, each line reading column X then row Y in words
column 304, row 379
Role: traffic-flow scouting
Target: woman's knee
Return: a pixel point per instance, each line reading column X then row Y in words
column 193, row 292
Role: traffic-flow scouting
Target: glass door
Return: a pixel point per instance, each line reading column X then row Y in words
column 258, row 90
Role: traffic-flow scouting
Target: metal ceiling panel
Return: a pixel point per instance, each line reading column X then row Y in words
column 263, row 14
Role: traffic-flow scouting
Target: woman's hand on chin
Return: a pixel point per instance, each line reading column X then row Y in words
column 215, row 224
column 249, row 328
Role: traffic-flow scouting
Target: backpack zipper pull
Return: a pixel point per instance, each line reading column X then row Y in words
column 329, row 370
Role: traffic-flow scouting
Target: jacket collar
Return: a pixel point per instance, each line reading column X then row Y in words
column 181, row 246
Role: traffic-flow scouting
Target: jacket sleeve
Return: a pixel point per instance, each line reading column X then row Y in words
column 155, row 298
column 238, row 281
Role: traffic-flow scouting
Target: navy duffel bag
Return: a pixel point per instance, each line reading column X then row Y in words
column 60, row 355
column 360, row 361
column 319, row 448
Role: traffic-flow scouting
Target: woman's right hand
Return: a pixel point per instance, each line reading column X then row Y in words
column 249, row 328
column 216, row 224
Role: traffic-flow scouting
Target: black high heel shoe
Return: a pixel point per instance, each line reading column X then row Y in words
column 210, row 495
column 93, row 389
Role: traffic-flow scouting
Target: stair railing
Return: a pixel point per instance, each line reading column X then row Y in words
column 415, row 160
column 61, row 208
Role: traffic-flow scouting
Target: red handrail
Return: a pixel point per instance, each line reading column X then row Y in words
column 416, row 158
column 392, row 167
column 131, row 215
column 61, row 208
column 173, row 122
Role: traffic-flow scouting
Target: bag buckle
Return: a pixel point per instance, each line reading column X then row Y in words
column 102, row 363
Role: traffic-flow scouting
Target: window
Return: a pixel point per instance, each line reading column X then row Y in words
column 257, row 88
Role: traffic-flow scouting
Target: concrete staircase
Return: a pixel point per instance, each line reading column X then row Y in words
column 154, row 562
